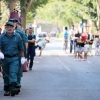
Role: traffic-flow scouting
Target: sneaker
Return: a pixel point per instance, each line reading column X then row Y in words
column 7, row 93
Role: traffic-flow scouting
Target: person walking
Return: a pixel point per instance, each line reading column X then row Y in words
column 72, row 37
column 10, row 46
column 90, row 39
column 65, row 46
column 18, row 30
column 31, row 47
column 86, row 48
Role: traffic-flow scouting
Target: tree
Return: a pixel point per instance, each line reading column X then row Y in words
column 29, row 5
column 11, row 4
column 61, row 13
column 91, row 9
column 25, row 6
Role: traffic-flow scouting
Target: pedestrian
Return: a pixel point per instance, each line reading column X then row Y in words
column 86, row 48
column 41, row 45
column 72, row 37
column 10, row 46
column 97, row 48
column 65, row 45
column 18, row 30
column 82, row 43
column 26, row 31
column 90, row 47
column 77, row 50
column 90, row 41
column 77, row 36
column 31, row 47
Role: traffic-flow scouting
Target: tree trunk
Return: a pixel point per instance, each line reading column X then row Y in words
column 98, row 12
column 12, row 4
column 95, row 24
column 23, row 18
column 23, row 12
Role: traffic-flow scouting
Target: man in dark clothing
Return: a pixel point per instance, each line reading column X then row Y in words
column 31, row 47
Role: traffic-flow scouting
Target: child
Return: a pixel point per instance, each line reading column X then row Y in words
column 82, row 43
column 41, row 44
column 77, row 49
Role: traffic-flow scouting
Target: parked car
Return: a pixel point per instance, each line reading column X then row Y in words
column 53, row 34
column 42, row 34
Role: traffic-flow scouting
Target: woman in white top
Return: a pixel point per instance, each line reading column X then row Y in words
column 86, row 48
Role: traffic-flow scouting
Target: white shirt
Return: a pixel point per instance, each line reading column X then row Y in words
column 72, row 34
column 42, row 43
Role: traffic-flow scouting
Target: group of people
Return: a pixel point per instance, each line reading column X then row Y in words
column 81, row 43
column 16, row 47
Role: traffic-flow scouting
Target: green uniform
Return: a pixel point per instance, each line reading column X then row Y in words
column 24, row 40
column 10, row 47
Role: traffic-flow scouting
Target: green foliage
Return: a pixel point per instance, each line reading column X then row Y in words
column 66, row 12
column 60, row 12
column 91, row 8
column 32, row 11
column 23, row 3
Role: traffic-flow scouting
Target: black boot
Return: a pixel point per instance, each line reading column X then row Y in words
column 13, row 89
column 7, row 92
column 18, row 87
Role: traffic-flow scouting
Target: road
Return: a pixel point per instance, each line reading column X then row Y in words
column 57, row 76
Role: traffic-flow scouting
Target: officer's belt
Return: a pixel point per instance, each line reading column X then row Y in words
column 31, row 46
column 9, row 56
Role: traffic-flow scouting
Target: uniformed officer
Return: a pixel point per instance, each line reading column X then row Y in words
column 10, row 45
column 31, row 47
column 18, row 30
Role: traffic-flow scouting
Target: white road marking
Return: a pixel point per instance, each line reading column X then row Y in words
column 63, row 64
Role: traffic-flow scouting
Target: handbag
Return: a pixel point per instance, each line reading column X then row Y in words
column 25, row 67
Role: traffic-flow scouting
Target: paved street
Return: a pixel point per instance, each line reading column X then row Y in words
column 57, row 76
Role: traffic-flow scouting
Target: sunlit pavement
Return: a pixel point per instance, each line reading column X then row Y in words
column 57, row 76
